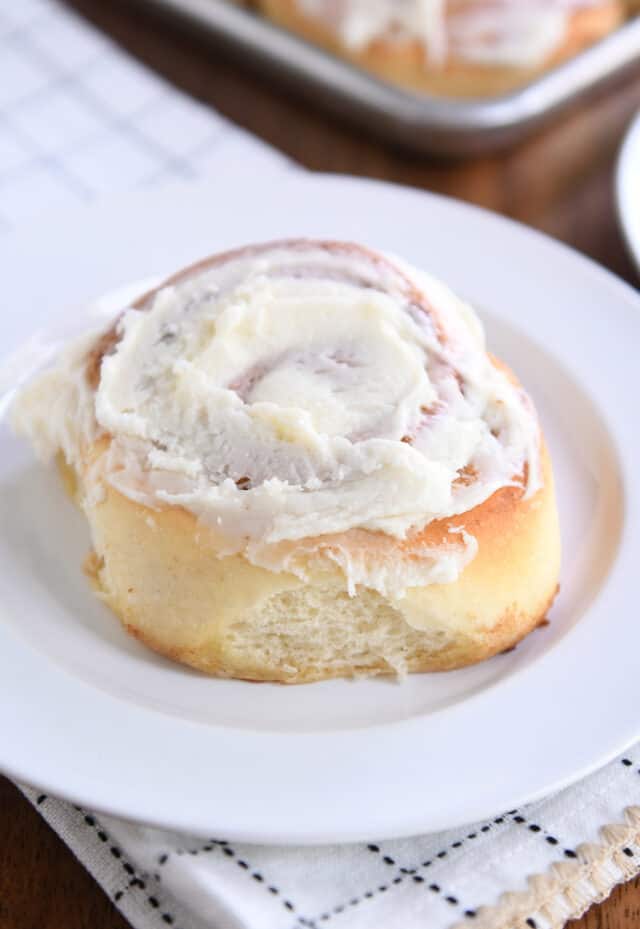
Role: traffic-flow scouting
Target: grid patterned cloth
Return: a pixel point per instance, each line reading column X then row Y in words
column 79, row 119
column 533, row 868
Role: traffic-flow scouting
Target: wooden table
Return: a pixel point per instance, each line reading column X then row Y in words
column 561, row 181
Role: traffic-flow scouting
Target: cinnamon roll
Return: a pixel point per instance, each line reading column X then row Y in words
column 469, row 48
column 298, row 461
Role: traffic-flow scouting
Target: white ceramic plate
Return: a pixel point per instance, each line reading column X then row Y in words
column 87, row 713
column 628, row 189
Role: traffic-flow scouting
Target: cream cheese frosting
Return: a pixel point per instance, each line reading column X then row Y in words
column 295, row 393
column 519, row 33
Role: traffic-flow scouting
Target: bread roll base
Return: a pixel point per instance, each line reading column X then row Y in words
column 404, row 63
column 161, row 573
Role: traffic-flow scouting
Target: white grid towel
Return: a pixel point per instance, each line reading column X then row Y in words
column 78, row 118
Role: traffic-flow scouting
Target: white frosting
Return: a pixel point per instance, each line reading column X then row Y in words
column 520, row 33
column 56, row 410
column 294, row 395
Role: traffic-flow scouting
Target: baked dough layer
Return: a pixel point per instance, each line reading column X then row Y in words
column 160, row 571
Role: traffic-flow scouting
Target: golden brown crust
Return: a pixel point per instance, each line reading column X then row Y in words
column 404, row 63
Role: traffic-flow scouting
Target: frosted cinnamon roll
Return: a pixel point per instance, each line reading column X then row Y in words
column 451, row 47
column 298, row 461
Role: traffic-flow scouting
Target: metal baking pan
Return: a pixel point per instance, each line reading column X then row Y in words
column 426, row 124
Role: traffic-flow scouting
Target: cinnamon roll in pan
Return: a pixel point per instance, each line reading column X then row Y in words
column 457, row 48
column 298, row 462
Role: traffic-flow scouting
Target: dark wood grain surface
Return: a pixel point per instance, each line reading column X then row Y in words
column 560, row 181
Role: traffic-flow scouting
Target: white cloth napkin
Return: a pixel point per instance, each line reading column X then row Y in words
column 536, row 867
column 78, row 118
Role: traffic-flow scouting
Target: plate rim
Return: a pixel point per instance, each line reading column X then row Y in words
column 627, row 184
